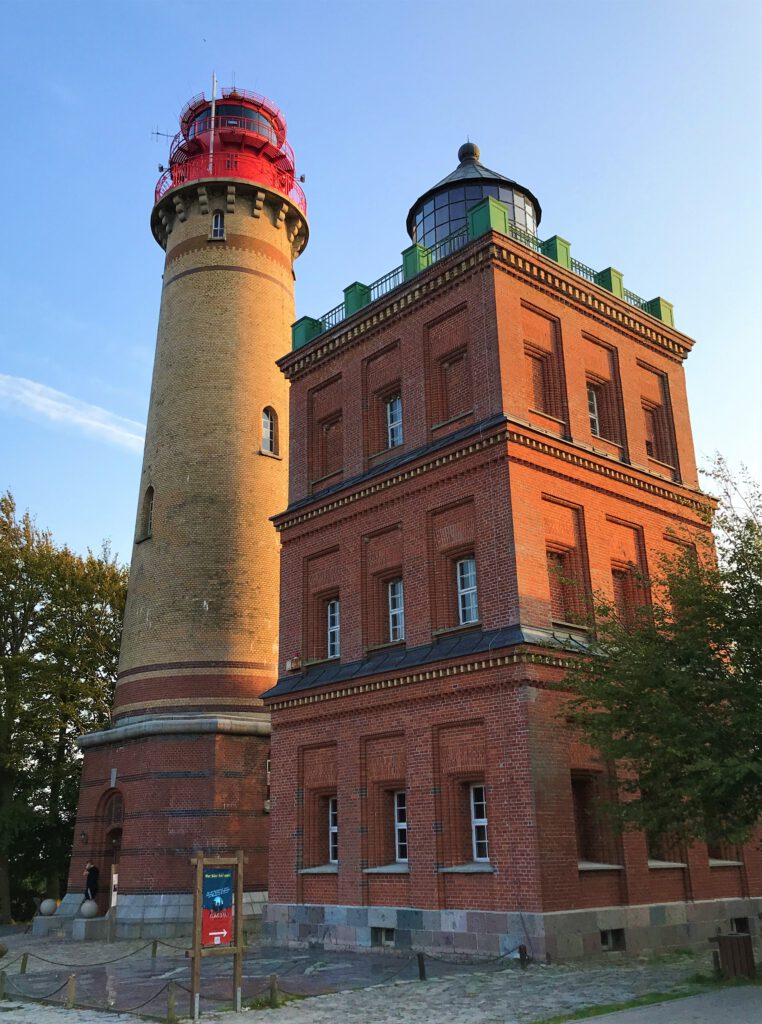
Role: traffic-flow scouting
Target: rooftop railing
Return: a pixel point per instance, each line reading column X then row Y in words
column 249, row 166
column 489, row 215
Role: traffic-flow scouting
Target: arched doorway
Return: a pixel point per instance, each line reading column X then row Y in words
column 111, row 847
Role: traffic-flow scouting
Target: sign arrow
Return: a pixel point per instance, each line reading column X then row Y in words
column 222, row 933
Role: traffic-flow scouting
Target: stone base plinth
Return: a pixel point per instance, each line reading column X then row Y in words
column 563, row 935
column 137, row 916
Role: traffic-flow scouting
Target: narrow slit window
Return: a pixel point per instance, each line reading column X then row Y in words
column 333, row 830
column 593, row 410
column 146, row 515
column 394, row 422
column 218, row 224
column 400, row 826
column 465, row 571
column 269, row 431
column 396, row 598
column 333, row 628
column 479, row 843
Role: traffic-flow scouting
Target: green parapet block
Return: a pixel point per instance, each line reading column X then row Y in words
column 414, row 259
column 558, row 249
column 355, row 297
column 488, row 215
column 612, row 280
column 304, row 330
column 662, row 310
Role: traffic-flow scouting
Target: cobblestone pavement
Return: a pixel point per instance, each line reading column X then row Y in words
column 354, row 988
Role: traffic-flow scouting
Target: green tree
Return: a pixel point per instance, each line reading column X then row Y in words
column 673, row 697
column 60, row 623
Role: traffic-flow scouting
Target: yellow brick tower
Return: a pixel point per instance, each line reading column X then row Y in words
column 185, row 764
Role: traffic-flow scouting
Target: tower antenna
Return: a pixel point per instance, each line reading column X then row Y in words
column 214, row 111
column 164, row 135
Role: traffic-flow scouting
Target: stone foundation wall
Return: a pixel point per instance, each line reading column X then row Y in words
column 143, row 916
column 566, row 935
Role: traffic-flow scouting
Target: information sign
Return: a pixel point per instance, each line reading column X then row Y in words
column 217, row 907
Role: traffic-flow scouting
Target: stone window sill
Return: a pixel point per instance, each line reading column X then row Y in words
column 398, row 868
column 715, row 863
column 591, row 865
column 473, row 868
column 271, row 455
column 372, row 648
column 311, row 662
column 143, row 538
column 449, row 630
column 321, row 869
column 574, row 627
column 657, row 865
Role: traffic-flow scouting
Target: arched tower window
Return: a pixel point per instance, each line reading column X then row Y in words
column 145, row 527
column 269, row 430
column 218, row 224
column 114, row 810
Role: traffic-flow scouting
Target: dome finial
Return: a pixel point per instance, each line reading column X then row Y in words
column 468, row 151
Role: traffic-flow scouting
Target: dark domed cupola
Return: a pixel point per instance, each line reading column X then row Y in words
column 443, row 209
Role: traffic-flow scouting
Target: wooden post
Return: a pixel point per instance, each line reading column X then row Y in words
column 171, row 1003
column 238, row 935
column 421, row 967
column 154, row 948
column 24, row 962
column 2, row 984
column 198, row 899
column 523, row 958
column 71, row 991
column 274, row 991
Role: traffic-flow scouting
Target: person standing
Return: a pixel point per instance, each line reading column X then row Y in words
column 91, row 880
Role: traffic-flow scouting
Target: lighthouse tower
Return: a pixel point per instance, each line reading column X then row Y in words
column 184, row 766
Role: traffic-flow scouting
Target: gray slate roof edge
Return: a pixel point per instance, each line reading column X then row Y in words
column 446, row 648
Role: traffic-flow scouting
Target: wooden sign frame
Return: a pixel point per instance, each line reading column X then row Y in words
column 236, row 948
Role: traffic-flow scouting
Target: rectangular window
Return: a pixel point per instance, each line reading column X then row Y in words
column 396, row 599
column 333, row 830
column 333, row 633
column 479, row 845
column 394, row 421
column 592, row 410
column 400, row 826
column 468, row 610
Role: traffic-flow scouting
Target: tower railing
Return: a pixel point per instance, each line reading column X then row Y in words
column 250, row 166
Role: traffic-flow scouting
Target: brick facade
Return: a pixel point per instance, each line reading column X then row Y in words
column 493, row 352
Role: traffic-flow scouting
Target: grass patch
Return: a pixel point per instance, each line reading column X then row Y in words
column 600, row 1009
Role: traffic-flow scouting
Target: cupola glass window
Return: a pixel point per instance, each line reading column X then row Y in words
column 446, row 213
column 443, row 210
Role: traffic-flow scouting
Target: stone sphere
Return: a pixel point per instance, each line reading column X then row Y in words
column 468, row 151
column 3, row 949
column 48, row 908
column 89, row 909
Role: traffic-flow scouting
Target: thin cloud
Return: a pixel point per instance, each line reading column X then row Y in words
column 27, row 396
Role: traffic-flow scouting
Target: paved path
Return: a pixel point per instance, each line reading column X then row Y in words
column 348, row 987
column 734, row 1005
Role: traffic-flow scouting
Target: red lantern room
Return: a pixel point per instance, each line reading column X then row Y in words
column 242, row 135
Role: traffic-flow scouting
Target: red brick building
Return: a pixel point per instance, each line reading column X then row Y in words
column 480, row 440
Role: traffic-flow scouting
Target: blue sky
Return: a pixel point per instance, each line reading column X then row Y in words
column 636, row 124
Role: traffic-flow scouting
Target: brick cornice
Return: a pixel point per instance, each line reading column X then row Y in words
column 476, row 664
column 515, row 259
column 697, row 503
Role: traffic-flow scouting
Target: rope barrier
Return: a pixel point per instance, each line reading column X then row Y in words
column 129, row 1009
column 90, row 963
column 36, row 996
